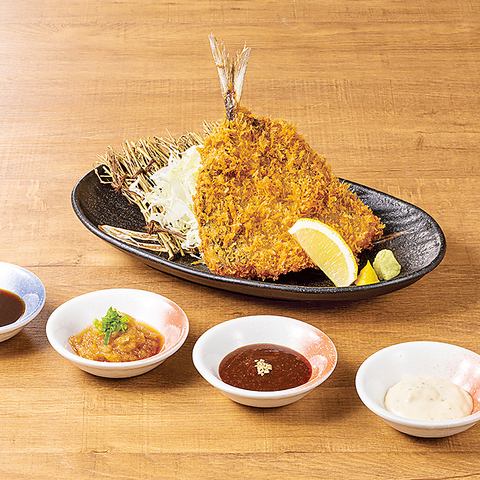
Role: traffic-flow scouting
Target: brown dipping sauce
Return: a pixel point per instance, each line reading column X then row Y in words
column 282, row 368
column 12, row 307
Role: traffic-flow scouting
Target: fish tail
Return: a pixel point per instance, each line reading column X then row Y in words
column 231, row 73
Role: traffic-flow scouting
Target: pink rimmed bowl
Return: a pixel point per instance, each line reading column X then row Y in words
column 225, row 337
column 392, row 364
column 150, row 308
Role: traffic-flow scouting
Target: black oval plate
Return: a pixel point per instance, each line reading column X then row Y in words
column 419, row 250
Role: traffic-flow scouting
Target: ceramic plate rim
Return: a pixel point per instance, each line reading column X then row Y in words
column 25, row 319
column 258, row 284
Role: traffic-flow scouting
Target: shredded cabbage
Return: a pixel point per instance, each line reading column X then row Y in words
column 172, row 193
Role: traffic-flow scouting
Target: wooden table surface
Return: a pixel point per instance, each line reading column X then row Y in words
column 387, row 90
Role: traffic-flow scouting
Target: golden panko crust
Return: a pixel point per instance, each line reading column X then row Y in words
column 258, row 177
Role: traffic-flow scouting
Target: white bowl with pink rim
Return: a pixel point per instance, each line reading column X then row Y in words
column 220, row 340
column 150, row 308
column 392, row 364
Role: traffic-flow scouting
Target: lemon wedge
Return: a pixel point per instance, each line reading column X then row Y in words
column 367, row 275
column 327, row 249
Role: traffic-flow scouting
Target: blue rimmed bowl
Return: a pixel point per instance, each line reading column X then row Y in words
column 29, row 288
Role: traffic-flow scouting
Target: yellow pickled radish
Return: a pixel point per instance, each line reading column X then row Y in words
column 367, row 275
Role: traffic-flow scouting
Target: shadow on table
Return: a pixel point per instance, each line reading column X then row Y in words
column 30, row 340
column 329, row 402
column 21, row 345
column 176, row 372
column 447, row 290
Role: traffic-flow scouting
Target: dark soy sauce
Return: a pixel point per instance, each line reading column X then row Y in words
column 12, row 307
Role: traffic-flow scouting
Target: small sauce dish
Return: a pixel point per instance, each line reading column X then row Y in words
column 29, row 288
column 393, row 364
column 152, row 309
column 217, row 342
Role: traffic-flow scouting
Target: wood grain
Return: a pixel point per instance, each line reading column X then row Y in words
column 387, row 90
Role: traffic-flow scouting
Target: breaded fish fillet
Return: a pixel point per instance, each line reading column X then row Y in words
column 258, row 177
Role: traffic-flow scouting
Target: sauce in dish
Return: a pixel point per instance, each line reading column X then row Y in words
column 265, row 367
column 12, row 307
column 428, row 398
column 117, row 337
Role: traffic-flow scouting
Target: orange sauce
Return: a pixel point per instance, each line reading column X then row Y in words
column 139, row 341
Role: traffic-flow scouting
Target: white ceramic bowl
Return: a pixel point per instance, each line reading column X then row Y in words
column 29, row 288
column 390, row 365
column 225, row 337
column 147, row 307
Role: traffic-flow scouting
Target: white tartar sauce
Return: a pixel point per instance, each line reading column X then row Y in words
column 428, row 398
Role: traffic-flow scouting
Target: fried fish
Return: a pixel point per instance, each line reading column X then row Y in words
column 258, row 177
